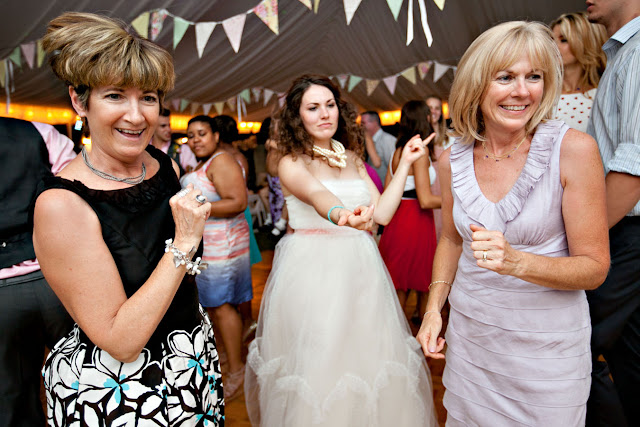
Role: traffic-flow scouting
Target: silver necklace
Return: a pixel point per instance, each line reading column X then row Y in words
column 130, row 180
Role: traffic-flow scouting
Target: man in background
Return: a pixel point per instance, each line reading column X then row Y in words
column 182, row 154
column 615, row 305
column 31, row 316
column 385, row 143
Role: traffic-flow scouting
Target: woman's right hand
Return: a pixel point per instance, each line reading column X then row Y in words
column 361, row 218
column 428, row 338
column 415, row 148
column 189, row 216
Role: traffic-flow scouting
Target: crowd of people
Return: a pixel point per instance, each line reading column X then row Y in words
column 515, row 221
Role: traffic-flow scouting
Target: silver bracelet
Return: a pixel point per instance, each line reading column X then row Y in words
column 183, row 258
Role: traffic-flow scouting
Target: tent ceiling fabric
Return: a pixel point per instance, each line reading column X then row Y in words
column 373, row 46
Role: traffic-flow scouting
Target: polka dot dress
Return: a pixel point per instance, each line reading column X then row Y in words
column 575, row 109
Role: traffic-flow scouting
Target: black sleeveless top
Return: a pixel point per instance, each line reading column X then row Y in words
column 135, row 222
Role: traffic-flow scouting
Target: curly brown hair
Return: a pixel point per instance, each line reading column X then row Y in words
column 294, row 139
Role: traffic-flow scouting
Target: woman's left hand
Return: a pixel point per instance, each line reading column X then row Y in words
column 492, row 251
column 361, row 218
column 415, row 148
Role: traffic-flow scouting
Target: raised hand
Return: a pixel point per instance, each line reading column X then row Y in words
column 492, row 250
column 189, row 216
column 415, row 148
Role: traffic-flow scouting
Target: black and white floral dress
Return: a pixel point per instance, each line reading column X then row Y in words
column 176, row 379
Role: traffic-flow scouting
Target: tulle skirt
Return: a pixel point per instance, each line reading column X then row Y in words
column 332, row 346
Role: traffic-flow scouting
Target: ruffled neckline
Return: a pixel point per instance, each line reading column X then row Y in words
column 465, row 184
column 137, row 197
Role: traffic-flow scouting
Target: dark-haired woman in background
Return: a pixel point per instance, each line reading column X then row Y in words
column 227, row 281
column 408, row 243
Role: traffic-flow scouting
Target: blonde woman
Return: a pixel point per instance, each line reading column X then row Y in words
column 116, row 236
column 524, row 234
column 580, row 44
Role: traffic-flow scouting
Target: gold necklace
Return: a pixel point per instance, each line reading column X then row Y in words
column 488, row 155
column 336, row 156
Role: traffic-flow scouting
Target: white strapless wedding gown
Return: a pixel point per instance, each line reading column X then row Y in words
column 333, row 347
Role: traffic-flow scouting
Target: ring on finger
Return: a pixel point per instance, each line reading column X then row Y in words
column 201, row 199
column 484, row 255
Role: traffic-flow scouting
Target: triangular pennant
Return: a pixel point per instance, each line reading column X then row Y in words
column 203, row 32
column 141, row 24
column 16, row 57
column 233, row 27
column 206, row 108
column 183, row 104
column 256, row 92
column 40, row 53
column 307, row 3
column 353, row 82
column 219, row 107
column 194, row 108
column 231, row 103
column 29, row 52
column 425, row 23
column 179, row 28
column 268, row 93
column 175, row 104
column 246, row 95
column 390, row 82
column 395, row 6
column 350, row 7
column 342, row 79
column 439, row 3
column 157, row 21
column 267, row 11
column 3, row 72
column 316, row 3
column 439, row 70
column 282, row 97
column 423, row 69
column 371, row 86
column 410, row 74
column 455, row 70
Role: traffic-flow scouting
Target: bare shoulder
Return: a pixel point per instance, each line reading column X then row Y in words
column 577, row 143
column 579, row 157
column 63, row 207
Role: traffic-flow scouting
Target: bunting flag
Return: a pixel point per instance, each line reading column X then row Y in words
column 390, row 82
column 268, row 93
column 395, row 6
column 307, row 3
column 425, row 23
column 29, row 52
column 245, row 95
column 241, row 106
column 203, row 32
column 350, row 7
column 194, row 108
column 175, row 104
column 439, row 3
column 231, row 103
column 179, row 28
column 233, row 27
column 439, row 70
column 3, row 71
column 15, row 57
column 206, row 108
column 353, row 82
column 423, row 69
column 157, row 21
column 371, row 86
column 141, row 24
column 219, row 107
column 410, row 23
column 183, row 104
column 342, row 79
column 410, row 74
column 267, row 11
column 315, row 7
column 282, row 96
column 40, row 53
column 256, row 92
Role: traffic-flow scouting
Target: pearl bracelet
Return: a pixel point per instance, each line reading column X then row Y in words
column 183, row 258
column 435, row 282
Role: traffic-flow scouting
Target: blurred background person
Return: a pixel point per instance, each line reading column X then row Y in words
column 384, row 143
column 141, row 342
column 162, row 140
column 524, row 234
column 580, row 44
column 441, row 143
column 226, row 283
column 408, row 242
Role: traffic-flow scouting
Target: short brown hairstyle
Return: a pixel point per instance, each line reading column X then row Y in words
column 497, row 49
column 89, row 51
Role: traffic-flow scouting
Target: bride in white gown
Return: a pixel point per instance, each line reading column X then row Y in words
column 332, row 346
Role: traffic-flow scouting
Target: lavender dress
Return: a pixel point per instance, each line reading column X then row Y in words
column 518, row 353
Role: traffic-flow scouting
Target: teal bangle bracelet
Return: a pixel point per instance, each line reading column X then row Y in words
column 329, row 213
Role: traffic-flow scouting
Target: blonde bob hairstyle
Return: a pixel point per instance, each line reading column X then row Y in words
column 585, row 41
column 495, row 50
column 89, row 51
